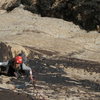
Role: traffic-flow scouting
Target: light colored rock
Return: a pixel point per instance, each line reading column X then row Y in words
column 4, row 83
column 2, row 11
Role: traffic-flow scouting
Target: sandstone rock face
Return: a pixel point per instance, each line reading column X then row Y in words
column 82, row 12
column 23, row 28
column 8, row 51
column 9, row 4
column 5, row 52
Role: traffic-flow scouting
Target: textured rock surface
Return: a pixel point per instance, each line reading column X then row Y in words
column 9, row 4
column 65, row 58
column 82, row 12
column 24, row 28
column 8, row 51
column 13, row 96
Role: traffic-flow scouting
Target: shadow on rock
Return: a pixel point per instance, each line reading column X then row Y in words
column 44, row 64
column 90, row 85
column 10, row 95
column 48, row 70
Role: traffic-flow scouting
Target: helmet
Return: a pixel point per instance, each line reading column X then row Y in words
column 18, row 60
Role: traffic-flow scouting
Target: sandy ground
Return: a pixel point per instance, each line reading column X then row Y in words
column 70, row 69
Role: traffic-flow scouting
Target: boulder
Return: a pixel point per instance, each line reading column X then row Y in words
column 8, row 51
column 5, row 52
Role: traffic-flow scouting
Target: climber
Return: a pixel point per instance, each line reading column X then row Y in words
column 16, row 67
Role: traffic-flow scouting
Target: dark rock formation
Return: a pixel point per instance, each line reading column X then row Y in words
column 5, row 52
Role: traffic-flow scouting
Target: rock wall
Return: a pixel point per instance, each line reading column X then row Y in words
column 85, row 13
column 5, row 52
column 8, row 51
